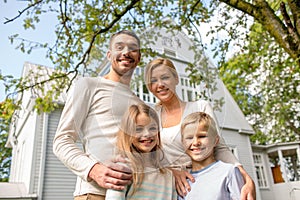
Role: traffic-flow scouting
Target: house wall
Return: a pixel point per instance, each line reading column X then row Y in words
column 23, row 155
column 287, row 191
column 240, row 143
column 59, row 182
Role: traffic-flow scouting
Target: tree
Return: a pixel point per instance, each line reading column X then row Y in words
column 264, row 77
column 6, row 111
column 84, row 27
column 266, row 87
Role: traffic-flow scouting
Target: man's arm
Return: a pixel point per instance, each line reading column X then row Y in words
column 111, row 175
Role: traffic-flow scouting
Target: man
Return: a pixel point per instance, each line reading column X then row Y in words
column 92, row 113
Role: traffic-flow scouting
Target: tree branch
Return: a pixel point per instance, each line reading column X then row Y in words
column 22, row 11
column 264, row 14
column 114, row 21
column 291, row 29
column 295, row 9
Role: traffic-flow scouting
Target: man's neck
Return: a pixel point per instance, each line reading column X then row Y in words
column 125, row 79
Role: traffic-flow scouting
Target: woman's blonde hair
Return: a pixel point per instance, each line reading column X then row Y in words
column 125, row 145
column 156, row 63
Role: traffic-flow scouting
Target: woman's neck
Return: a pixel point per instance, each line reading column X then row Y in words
column 172, row 105
column 172, row 112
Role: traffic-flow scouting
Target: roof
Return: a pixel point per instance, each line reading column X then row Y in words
column 38, row 74
column 14, row 191
column 268, row 146
column 231, row 116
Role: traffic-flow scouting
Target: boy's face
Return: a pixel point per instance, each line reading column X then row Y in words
column 198, row 142
column 124, row 54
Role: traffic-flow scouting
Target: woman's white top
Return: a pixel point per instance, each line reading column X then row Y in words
column 171, row 138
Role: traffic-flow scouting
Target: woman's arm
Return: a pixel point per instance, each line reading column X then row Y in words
column 248, row 190
column 181, row 183
column 222, row 152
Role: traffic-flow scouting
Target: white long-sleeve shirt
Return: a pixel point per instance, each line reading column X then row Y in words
column 92, row 114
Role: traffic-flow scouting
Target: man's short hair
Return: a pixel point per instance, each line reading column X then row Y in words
column 126, row 32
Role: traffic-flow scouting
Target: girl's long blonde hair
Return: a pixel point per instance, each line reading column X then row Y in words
column 125, row 146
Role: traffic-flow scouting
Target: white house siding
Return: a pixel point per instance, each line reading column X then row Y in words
column 242, row 148
column 23, row 149
column 59, row 182
column 37, row 156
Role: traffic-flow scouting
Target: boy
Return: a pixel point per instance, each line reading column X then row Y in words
column 214, row 179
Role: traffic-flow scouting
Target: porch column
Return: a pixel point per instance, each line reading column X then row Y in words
column 282, row 166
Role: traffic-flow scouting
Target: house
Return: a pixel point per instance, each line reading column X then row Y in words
column 43, row 176
column 278, row 170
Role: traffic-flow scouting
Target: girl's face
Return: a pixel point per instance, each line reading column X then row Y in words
column 146, row 137
column 198, row 142
column 163, row 83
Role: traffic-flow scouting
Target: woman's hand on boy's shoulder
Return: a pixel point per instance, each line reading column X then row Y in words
column 181, row 181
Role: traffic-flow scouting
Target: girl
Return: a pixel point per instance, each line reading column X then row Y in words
column 138, row 141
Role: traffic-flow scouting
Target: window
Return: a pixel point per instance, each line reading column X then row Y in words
column 260, row 171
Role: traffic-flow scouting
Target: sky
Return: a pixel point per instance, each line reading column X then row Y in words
column 12, row 60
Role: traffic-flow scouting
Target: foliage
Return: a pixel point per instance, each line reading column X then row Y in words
column 6, row 111
column 265, row 83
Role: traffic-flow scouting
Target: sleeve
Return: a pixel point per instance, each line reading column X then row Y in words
column 222, row 152
column 115, row 194
column 235, row 184
column 68, row 131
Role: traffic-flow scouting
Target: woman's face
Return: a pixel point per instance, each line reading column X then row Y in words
column 163, row 83
column 146, row 133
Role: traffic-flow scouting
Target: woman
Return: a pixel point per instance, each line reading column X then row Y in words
column 161, row 79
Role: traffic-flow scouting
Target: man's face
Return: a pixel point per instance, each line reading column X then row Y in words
column 124, row 54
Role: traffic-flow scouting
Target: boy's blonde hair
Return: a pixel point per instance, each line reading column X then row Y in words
column 126, row 136
column 203, row 119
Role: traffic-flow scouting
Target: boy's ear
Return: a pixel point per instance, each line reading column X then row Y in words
column 217, row 140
